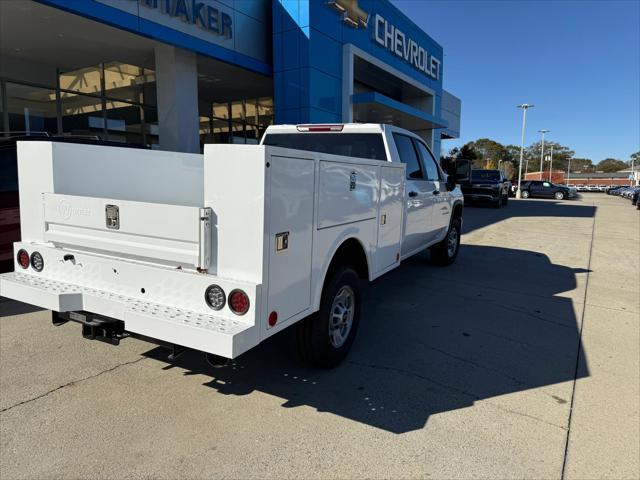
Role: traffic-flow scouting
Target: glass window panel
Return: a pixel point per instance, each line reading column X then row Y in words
column 220, row 110
column 237, row 111
column 362, row 145
column 151, row 126
column 82, row 115
column 31, row 109
column 125, row 82
column 124, row 123
column 83, row 80
column 408, row 156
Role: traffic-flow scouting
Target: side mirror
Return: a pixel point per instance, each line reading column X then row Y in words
column 458, row 170
column 450, row 184
column 463, row 170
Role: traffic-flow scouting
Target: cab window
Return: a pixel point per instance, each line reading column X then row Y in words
column 408, row 156
column 546, row 184
column 430, row 166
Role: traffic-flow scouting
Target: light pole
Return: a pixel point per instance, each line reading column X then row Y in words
column 543, row 131
column 551, row 163
column 568, row 171
column 524, row 107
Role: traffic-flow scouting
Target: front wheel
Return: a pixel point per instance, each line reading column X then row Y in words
column 505, row 200
column 445, row 252
column 559, row 196
column 525, row 194
column 325, row 338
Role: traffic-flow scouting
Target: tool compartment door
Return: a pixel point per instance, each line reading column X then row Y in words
column 348, row 193
column 290, row 235
column 169, row 233
column 390, row 217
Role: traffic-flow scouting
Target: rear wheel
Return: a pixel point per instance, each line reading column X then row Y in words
column 325, row 338
column 525, row 194
column 445, row 252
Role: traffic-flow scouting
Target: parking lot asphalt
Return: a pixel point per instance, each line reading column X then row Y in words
column 519, row 361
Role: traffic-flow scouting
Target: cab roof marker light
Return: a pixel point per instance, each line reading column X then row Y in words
column 319, row 128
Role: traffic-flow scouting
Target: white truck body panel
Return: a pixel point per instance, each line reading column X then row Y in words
column 266, row 220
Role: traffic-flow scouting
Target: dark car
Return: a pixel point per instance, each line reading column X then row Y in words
column 487, row 185
column 9, row 204
column 542, row 189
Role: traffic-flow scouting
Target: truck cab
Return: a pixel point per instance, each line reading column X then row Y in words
column 429, row 199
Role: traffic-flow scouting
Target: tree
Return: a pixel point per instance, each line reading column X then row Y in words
column 561, row 156
column 611, row 165
column 635, row 157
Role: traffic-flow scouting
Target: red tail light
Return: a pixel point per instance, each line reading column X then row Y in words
column 23, row 258
column 238, row 302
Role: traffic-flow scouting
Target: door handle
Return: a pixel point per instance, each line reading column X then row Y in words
column 436, row 192
column 413, row 194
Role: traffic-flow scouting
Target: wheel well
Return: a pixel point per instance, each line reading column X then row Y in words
column 457, row 211
column 351, row 253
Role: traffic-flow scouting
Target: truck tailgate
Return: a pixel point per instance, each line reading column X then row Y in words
column 172, row 234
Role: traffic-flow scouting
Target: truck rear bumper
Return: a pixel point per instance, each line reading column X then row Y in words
column 220, row 336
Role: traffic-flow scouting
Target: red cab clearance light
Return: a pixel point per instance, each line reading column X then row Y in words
column 23, row 258
column 238, row 302
column 319, row 128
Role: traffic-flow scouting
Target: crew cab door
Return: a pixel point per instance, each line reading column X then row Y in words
column 419, row 197
column 441, row 196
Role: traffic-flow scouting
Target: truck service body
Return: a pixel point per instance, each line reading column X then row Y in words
column 217, row 252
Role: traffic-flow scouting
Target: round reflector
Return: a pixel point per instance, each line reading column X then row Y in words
column 273, row 319
column 23, row 258
column 37, row 262
column 238, row 302
column 214, row 296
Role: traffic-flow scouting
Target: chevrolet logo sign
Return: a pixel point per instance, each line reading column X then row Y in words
column 352, row 14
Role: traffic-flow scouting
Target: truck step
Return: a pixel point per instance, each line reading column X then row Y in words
column 200, row 331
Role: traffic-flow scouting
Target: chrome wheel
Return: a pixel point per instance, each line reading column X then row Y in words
column 341, row 320
column 559, row 196
column 452, row 242
column 525, row 194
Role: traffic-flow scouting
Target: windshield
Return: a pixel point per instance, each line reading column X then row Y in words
column 361, row 145
column 485, row 175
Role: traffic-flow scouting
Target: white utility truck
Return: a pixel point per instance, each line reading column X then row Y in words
column 217, row 252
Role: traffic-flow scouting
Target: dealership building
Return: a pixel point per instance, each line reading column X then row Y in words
column 176, row 74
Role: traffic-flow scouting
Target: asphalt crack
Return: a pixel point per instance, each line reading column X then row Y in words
column 73, row 382
column 575, row 373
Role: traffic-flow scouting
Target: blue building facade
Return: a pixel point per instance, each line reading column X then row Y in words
column 243, row 62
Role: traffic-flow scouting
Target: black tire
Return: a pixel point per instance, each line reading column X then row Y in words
column 505, row 200
column 558, row 195
column 315, row 343
column 497, row 203
column 441, row 254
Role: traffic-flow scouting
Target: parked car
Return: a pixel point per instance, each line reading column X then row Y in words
column 602, row 188
column 592, row 188
column 488, row 186
column 542, row 189
column 581, row 187
column 612, row 188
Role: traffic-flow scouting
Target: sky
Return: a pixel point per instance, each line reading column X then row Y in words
column 577, row 61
